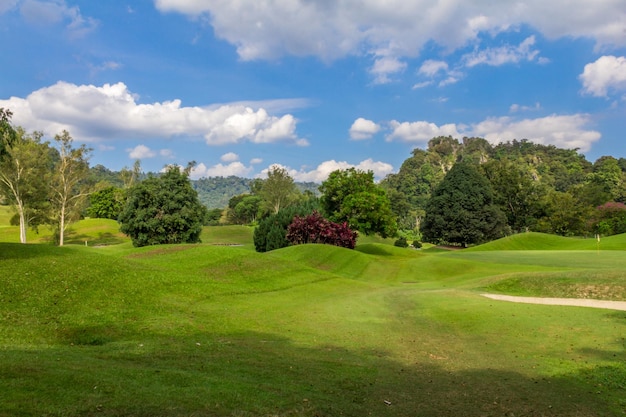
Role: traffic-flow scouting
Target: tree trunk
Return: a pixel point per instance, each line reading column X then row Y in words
column 62, row 225
column 20, row 210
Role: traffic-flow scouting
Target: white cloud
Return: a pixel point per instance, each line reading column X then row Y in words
column 141, row 152
column 420, row 131
column 569, row 131
column 321, row 172
column 518, row 107
column 166, row 153
column 564, row 131
column 431, row 67
column 53, row 12
column 229, row 157
column 220, row 170
column 334, row 29
column 93, row 113
column 384, row 68
column 503, row 55
column 607, row 73
column 363, row 129
column 256, row 161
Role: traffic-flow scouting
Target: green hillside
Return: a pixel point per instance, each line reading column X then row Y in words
column 312, row 330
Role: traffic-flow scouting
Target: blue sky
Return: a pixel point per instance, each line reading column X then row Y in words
column 312, row 85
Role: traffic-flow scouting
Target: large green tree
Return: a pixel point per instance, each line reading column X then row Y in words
column 462, row 210
column 163, row 210
column 351, row 196
column 24, row 179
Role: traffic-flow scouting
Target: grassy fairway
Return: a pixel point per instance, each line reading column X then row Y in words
column 215, row 330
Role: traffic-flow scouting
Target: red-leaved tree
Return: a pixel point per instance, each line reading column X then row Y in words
column 316, row 229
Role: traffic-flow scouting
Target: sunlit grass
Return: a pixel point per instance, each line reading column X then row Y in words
column 312, row 330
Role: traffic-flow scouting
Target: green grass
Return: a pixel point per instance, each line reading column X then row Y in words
column 219, row 330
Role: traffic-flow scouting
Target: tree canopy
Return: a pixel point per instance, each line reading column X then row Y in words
column 163, row 209
column 462, row 210
column 351, row 196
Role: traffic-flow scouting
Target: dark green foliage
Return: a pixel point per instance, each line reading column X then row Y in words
column 462, row 210
column 610, row 219
column 352, row 196
column 316, row 229
column 106, row 203
column 101, row 174
column 213, row 217
column 163, row 210
column 243, row 209
column 417, row 244
column 271, row 233
column 8, row 135
column 401, row 242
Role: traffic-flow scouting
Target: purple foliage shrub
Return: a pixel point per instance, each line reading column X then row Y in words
column 316, row 229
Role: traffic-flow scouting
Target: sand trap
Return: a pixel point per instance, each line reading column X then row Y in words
column 577, row 302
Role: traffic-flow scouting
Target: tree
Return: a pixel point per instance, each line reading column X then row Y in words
column 8, row 134
column 243, row 209
column 69, row 188
column 515, row 191
column 106, row 203
column 24, row 176
column 610, row 218
column 351, row 196
column 316, row 229
column 462, row 209
column 278, row 190
column 271, row 233
column 163, row 210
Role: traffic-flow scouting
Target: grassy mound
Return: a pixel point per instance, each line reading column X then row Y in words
column 542, row 241
column 311, row 330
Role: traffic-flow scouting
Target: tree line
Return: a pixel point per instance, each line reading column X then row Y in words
column 453, row 192
column 536, row 187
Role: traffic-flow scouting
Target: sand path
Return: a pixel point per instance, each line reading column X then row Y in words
column 612, row 305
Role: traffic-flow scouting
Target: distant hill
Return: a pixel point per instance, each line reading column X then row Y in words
column 215, row 192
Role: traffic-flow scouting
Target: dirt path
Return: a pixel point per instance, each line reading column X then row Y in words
column 612, row 305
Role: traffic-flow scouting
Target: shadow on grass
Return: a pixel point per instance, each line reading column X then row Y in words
column 255, row 374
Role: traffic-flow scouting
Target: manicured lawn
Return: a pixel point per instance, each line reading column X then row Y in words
column 217, row 330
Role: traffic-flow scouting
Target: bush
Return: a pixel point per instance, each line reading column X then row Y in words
column 401, row 242
column 417, row 244
column 163, row 210
column 271, row 232
column 316, row 229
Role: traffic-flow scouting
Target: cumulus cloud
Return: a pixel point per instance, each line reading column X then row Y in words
column 321, row 172
column 229, row 157
column 93, row 113
column 420, row 131
column 363, row 129
column 53, row 12
column 220, row 170
column 564, row 131
column 274, row 28
column 141, row 152
column 607, row 73
column 385, row 67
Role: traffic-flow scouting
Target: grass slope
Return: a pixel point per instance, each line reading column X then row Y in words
column 214, row 330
